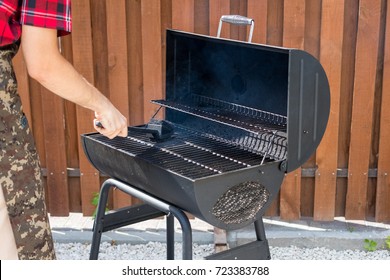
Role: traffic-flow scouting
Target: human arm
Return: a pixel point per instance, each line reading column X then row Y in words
column 46, row 65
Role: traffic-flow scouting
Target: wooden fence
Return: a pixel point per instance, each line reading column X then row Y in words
column 119, row 46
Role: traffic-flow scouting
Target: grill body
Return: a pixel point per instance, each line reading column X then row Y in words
column 243, row 115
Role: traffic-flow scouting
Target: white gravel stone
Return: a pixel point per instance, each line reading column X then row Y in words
column 157, row 251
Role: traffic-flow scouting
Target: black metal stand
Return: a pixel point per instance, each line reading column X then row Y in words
column 151, row 208
column 255, row 250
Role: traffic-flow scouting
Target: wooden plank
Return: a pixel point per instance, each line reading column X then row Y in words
column 166, row 23
column 118, row 70
column 294, row 24
column 382, row 205
column 312, row 46
column 257, row 10
column 219, row 8
column 100, row 52
column 275, row 11
column 313, row 28
column 332, row 29
column 134, row 34
column 202, row 17
column 362, row 110
column 183, row 15
column 72, row 138
column 57, row 183
column 151, row 55
column 347, row 84
column 274, row 36
column 83, row 62
column 293, row 37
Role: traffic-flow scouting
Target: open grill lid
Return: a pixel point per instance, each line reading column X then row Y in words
column 273, row 93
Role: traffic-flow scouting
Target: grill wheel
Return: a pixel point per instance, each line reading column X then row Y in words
column 241, row 203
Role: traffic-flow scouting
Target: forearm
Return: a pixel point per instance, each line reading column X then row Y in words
column 46, row 65
column 54, row 72
column 60, row 77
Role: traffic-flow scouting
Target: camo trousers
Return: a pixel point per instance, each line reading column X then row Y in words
column 20, row 172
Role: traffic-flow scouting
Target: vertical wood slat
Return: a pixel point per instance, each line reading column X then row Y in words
column 312, row 46
column 71, row 136
column 202, row 17
column 362, row 107
column 183, row 17
column 257, row 10
column 219, row 8
column 134, row 42
column 331, row 59
column 83, row 62
column 351, row 10
column 274, row 36
column 56, row 165
column 151, row 55
column 382, row 207
column 118, row 70
column 275, row 12
column 293, row 37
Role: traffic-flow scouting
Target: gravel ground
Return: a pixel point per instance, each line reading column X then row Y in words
column 157, row 251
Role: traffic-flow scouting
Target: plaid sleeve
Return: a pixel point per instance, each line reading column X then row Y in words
column 55, row 14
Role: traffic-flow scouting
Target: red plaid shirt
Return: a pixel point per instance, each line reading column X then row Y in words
column 41, row 13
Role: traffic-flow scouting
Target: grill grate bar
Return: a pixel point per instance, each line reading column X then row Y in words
column 161, row 156
column 272, row 145
column 195, row 154
column 226, row 150
column 204, row 157
column 241, row 117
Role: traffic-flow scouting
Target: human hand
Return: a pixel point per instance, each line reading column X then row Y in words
column 110, row 123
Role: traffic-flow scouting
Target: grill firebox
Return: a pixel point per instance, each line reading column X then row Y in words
column 243, row 115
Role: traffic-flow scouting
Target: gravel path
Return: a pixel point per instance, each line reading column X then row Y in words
column 157, row 251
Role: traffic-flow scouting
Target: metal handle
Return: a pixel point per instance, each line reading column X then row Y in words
column 237, row 20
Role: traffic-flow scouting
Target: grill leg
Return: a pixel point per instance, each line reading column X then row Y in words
column 259, row 229
column 171, row 212
column 98, row 224
column 186, row 232
column 170, row 237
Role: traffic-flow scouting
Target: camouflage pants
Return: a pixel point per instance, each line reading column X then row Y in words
column 20, row 172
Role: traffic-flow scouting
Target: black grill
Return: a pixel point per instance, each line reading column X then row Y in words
column 239, row 116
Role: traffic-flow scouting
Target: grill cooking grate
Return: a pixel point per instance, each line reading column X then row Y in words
column 189, row 155
column 241, row 203
column 238, row 116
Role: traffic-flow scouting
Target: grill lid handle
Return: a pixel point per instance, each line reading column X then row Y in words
column 237, row 20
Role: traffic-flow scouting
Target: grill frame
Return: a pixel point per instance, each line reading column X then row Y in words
column 292, row 123
column 194, row 195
